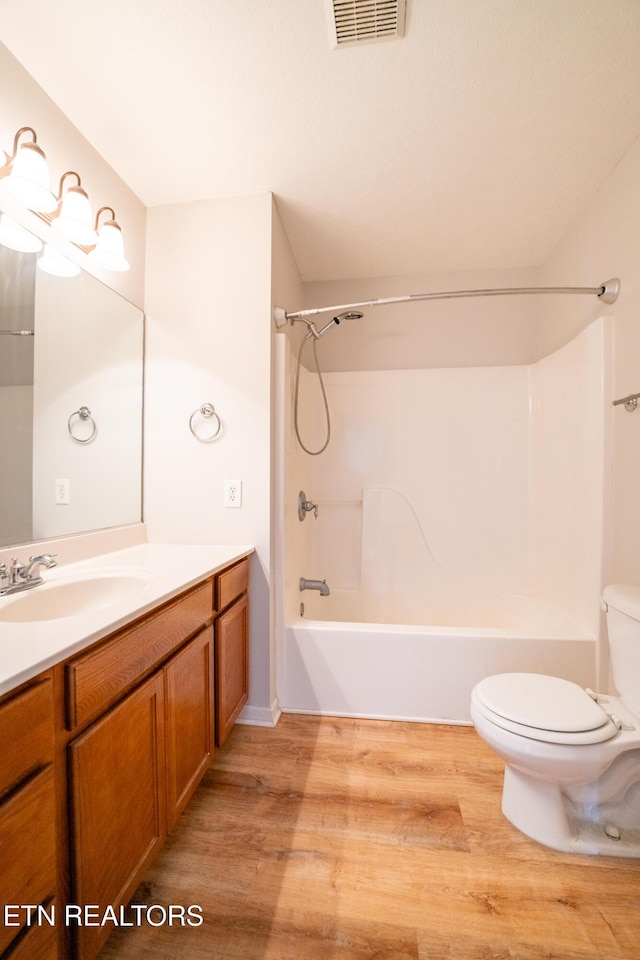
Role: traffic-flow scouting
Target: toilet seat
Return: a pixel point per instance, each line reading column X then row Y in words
column 542, row 708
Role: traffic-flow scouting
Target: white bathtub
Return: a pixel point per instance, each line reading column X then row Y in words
column 422, row 672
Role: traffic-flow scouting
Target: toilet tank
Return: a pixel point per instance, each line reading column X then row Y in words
column 622, row 603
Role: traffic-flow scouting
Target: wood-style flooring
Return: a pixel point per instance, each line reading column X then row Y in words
column 336, row 839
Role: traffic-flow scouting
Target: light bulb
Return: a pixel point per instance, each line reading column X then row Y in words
column 28, row 180
column 109, row 250
column 74, row 219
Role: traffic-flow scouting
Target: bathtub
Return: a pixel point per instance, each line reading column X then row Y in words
column 433, row 528
column 334, row 662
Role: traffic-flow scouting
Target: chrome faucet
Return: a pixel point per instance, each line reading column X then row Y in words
column 320, row 585
column 20, row 576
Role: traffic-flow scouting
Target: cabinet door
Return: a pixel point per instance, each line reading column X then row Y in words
column 232, row 666
column 118, row 789
column 189, row 700
column 27, row 848
column 37, row 943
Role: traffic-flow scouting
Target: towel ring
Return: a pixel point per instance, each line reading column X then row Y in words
column 206, row 410
column 85, row 414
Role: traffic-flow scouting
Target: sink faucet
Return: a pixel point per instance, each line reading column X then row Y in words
column 20, row 576
column 320, row 585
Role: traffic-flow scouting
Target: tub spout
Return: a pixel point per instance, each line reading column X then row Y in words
column 320, row 585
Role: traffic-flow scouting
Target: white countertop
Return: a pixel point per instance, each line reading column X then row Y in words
column 26, row 649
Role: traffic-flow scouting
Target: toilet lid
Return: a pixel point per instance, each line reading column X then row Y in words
column 545, row 703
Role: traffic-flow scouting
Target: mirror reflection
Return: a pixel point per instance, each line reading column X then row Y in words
column 67, row 344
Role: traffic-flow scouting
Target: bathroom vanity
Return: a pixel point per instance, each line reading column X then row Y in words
column 101, row 751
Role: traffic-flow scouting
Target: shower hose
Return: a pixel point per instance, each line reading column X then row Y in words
column 313, row 453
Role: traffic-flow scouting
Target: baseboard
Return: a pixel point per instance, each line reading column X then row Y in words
column 352, row 715
column 260, row 716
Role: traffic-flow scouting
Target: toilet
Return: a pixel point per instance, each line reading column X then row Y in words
column 572, row 774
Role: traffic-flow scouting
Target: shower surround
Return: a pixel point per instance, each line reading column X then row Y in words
column 461, row 529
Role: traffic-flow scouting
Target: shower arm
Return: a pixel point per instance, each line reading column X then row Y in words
column 312, row 330
column 607, row 292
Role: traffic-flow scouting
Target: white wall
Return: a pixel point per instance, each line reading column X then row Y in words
column 604, row 242
column 454, row 442
column 208, row 307
column 571, row 426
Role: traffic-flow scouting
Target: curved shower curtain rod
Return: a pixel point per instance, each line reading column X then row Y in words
column 607, row 292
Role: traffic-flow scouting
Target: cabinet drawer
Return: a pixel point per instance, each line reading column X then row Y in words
column 28, row 847
column 231, row 583
column 26, row 732
column 97, row 679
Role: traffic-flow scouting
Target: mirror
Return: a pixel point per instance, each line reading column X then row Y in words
column 84, row 350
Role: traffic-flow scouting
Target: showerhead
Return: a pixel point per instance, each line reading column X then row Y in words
column 312, row 331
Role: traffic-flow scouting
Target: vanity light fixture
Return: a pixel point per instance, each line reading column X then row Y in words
column 56, row 264
column 15, row 237
column 109, row 250
column 27, row 176
column 73, row 220
column 24, row 177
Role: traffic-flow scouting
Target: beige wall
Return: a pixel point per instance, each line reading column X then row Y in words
column 208, row 308
column 24, row 103
column 289, row 473
column 475, row 332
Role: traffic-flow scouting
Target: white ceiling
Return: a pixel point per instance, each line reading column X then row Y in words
column 471, row 143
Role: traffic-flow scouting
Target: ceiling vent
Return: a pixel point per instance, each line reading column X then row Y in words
column 365, row 21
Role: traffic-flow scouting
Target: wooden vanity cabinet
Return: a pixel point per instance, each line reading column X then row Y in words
column 28, row 847
column 135, row 766
column 99, row 756
column 231, row 647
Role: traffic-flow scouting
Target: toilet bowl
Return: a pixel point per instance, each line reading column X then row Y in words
column 572, row 757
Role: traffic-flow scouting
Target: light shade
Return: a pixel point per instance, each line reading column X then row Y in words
column 74, row 220
column 56, row 264
column 15, row 237
column 28, row 180
column 109, row 250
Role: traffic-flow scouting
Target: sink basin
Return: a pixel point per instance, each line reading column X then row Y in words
column 55, row 599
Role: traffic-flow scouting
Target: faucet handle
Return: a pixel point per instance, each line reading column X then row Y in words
column 15, row 570
column 4, row 573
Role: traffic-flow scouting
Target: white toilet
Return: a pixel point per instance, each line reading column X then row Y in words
column 572, row 776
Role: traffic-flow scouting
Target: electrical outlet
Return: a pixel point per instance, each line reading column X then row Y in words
column 233, row 493
column 61, row 491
